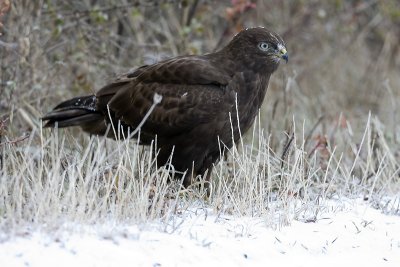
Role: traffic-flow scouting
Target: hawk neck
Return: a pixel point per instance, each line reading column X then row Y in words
column 243, row 62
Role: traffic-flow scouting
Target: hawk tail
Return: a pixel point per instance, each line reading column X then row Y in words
column 79, row 111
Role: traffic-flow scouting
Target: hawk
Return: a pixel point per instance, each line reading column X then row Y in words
column 189, row 104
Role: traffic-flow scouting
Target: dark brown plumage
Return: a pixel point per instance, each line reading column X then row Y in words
column 198, row 95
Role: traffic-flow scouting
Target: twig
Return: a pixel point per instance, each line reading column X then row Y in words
column 192, row 11
column 110, row 8
column 156, row 100
column 8, row 45
column 2, row 126
column 310, row 133
column 286, row 149
column 15, row 141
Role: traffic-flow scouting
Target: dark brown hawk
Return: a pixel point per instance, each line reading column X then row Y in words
column 191, row 102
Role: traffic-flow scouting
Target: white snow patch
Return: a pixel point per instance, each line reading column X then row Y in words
column 355, row 235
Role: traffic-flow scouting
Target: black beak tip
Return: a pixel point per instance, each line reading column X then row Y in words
column 285, row 57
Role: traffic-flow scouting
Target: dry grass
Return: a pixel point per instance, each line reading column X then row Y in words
column 96, row 180
column 329, row 127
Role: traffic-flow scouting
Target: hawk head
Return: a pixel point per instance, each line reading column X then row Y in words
column 258, row 49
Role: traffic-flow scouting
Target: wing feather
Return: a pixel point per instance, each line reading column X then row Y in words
column 193, row 92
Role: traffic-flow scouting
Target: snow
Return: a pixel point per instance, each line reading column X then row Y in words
column 355, row 234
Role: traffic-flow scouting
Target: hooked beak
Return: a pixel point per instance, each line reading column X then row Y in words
column 283, row 54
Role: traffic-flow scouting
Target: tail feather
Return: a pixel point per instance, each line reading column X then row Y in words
column 82, row 102
column 78, row 111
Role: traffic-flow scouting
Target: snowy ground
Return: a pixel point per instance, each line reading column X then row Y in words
column 353, row 235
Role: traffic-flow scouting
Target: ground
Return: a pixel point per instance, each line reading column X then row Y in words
column 347, row 232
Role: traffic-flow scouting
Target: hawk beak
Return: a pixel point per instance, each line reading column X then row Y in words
column 284, row 54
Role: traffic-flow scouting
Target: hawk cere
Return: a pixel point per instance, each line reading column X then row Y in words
column 188, row 103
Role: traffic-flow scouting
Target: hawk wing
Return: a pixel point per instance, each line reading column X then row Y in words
column 193, row 91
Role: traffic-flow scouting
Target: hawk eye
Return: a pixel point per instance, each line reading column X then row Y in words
column 263, row 46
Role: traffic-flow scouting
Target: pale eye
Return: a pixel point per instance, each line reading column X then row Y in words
column 263, row 46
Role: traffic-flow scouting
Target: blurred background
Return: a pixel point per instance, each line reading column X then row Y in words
column 344, row 56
